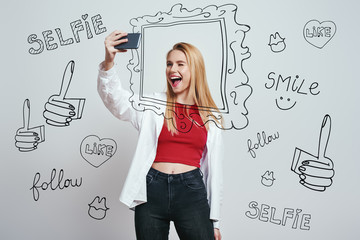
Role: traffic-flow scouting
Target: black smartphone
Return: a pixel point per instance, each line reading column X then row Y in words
column 132, row 43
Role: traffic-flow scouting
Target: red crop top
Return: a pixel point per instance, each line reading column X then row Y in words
column 188, row 144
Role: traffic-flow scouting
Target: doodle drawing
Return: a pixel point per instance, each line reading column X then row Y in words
column 97, row 151
column 315, row 171
column 291, row 217
column 27, row 139
column 233, row 81
column 60, row 110
column 290, row 88
column 318, row 33
column 56, row 182
column 97, row 208
column 277, row 43
column 262, row 140
column 267, row 179
column 51, row 43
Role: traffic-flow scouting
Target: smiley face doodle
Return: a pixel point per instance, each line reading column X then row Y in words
column 277, row 43
column 290, row 86
column 283, row 104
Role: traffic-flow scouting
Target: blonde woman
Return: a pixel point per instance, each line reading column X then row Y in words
column 176, row 172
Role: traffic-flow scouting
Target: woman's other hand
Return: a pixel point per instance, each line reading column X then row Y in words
column 217, row 234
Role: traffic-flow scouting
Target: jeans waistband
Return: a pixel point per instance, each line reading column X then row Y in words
column 186, row 175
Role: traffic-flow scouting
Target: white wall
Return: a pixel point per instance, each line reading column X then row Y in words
column 243, row 71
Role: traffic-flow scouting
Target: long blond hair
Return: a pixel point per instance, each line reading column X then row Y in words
column 199, row 89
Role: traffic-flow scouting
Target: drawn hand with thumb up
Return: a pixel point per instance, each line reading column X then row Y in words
column 59, row 110
column 27, row 139
column 315, row 172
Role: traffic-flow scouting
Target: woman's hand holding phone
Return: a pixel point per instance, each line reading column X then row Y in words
column 110, row 51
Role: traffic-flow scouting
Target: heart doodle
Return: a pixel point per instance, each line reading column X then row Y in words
column 84, row 17
column 319, row 33
column 97, row 151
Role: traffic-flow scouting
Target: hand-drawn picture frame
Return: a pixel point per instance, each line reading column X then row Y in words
column 233, row 88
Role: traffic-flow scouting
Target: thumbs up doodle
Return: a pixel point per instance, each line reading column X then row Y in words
column 315, row 172
column 59, row 110
column 26, row 138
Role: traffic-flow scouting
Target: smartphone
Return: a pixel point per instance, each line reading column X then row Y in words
column 132, row 43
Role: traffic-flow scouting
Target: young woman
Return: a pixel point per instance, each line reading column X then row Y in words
column 176, row 172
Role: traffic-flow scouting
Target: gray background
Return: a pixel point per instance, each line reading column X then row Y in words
column 64, row 213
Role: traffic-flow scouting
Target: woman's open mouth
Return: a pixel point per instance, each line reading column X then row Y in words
column 175, row 80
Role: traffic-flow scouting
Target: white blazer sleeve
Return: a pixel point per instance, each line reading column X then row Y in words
column 115, row 98
column 216, row 173
column 212, row 168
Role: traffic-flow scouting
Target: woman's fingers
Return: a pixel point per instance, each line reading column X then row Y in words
column 115, row 38
column 111, row 41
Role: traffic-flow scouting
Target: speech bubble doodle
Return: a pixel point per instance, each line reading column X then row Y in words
column 97, row 208
column 277, row 43
column 315, row 172
column 97, row 151
column 319, row 33
column 26, row 138
column 60, row 110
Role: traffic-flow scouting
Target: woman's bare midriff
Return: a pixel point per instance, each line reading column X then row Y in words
column 172, row 168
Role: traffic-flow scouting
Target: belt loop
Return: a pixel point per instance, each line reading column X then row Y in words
column 201, row 173
column 170, row 178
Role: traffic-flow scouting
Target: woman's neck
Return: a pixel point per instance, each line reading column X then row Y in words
column 186, row 100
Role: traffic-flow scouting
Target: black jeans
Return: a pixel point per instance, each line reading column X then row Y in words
column 180, row 198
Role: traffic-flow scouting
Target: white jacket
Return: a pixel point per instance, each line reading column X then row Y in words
column 149, row 125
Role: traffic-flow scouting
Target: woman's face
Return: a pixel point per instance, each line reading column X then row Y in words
column 178, row 73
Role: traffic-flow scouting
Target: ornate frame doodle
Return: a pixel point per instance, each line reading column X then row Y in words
column 235, row 89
